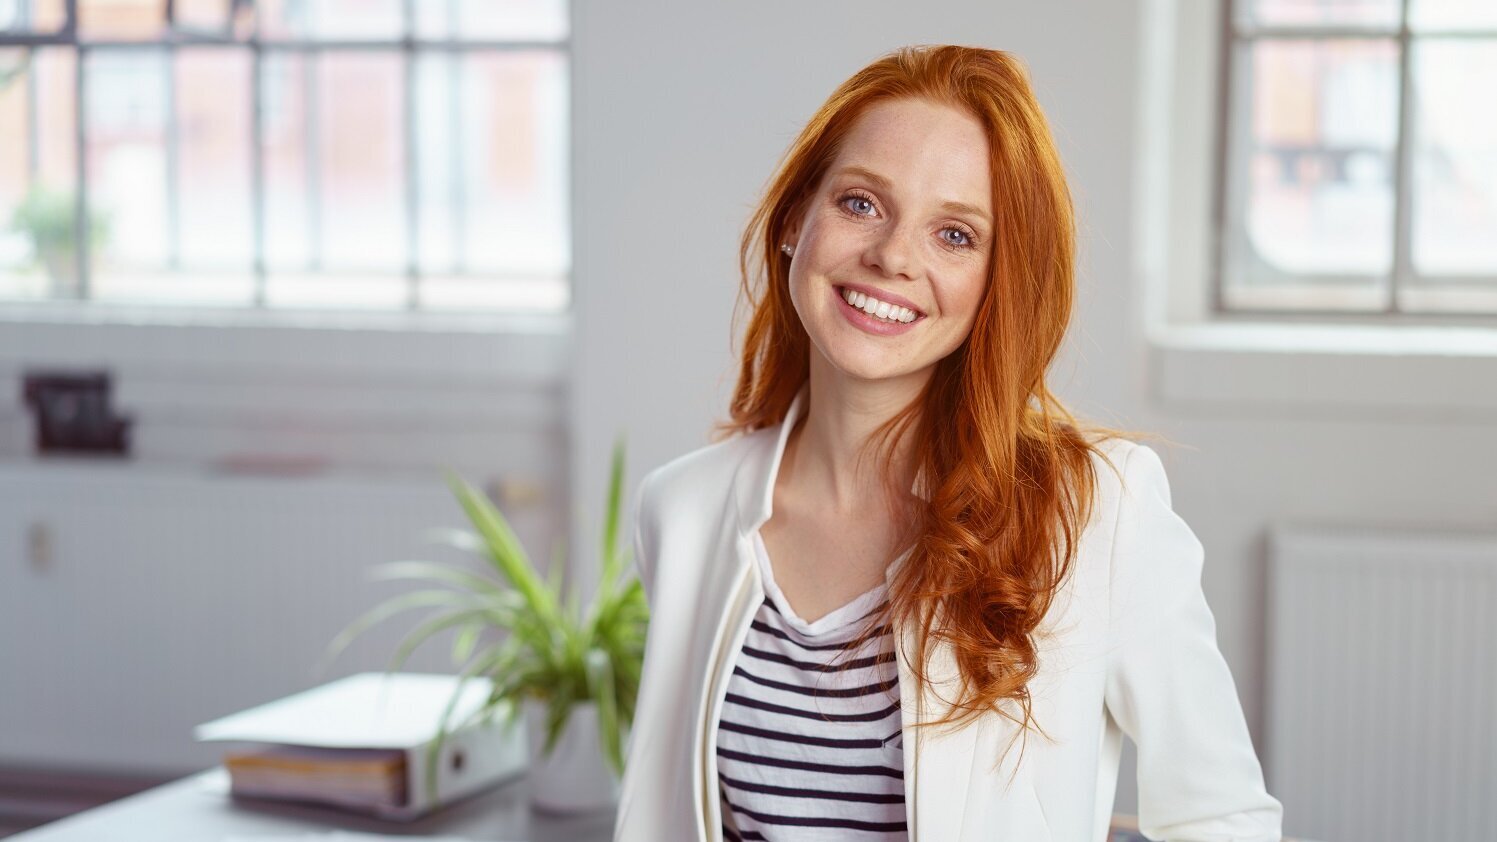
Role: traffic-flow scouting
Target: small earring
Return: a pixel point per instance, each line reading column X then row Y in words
column 787, row 249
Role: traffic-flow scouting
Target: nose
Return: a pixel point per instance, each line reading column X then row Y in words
column 894, row 251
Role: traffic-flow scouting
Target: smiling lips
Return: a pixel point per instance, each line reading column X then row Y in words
column 865, row 316
column 878, row 307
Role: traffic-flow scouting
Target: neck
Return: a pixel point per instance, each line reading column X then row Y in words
column 821, row 453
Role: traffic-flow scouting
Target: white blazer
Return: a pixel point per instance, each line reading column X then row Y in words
column 1132, row 651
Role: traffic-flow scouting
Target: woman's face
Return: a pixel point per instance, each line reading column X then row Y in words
column 880, row 223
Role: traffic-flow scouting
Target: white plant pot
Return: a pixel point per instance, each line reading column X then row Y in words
column 575, row 777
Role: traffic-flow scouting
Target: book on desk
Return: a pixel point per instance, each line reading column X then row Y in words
column 361, row 743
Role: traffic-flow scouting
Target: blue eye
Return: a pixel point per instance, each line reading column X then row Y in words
column 858, row 197
column 969, row 242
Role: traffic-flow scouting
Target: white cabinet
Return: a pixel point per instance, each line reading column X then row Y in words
column 136, row 603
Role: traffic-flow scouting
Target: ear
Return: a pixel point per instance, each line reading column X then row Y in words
column 791, row 234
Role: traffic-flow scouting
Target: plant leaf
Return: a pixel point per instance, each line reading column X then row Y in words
column 611, row 513
column 503, row 547
column 383, row 611
column 462, row 646
column 423, row 632
column 438, row 572
column 461, row 539
column 434, row 752
column 605, row 696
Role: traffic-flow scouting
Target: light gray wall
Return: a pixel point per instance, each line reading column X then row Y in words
column 682, row 111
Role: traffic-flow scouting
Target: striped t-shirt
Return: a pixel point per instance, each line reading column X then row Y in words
column 809, row 748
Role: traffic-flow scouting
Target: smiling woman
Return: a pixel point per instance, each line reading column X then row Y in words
column 819, row 618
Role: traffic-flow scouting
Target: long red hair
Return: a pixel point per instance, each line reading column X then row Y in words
column 1007, row 468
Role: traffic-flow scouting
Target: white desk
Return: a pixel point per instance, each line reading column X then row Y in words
column 198, row 808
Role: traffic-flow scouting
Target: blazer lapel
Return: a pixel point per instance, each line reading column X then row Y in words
column 937, row 760
column 732, row 601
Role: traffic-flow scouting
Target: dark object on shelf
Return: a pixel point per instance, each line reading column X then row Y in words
column 73, row 414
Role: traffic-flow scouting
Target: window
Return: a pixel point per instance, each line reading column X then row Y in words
column 385, row 155
column 1360, row 158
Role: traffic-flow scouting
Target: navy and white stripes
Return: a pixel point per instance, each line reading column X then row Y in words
column 809, row 745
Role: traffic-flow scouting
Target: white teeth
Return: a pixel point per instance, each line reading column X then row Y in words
column 878, row 309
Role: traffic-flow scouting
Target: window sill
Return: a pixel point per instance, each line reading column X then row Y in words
column 1419, row 372
column 392, row 390
column 207, row 343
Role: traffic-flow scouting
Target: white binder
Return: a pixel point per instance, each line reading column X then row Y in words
column 391, row 711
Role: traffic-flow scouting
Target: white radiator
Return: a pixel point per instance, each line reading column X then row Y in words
column 1382, row 713
column 137, row 603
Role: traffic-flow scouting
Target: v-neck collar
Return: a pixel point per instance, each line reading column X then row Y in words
column 849, row 612
column 754, row 483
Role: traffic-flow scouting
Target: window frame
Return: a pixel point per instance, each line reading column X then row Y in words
column 1203, row 362
column 408, row 47
column 1229, row 194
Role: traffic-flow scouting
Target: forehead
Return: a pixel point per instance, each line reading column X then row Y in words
column 924, row 148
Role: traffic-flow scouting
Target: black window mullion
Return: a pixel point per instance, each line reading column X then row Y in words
column 257, row 161
column 173, row 162
column 33, row 112
column 82, row 240
column 456, row 193
column 455, row 169
column 311, row 155
column 1220, row 228
column 412, row 161
column 1402, row 270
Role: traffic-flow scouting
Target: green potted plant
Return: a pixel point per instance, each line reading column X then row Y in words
column 48, row 218
column 574, row 675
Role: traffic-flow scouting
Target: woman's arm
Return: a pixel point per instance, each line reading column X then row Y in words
column 1168, row 686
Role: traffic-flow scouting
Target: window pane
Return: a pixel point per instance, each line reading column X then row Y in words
column 1455, row 164
column 331, row 19
column 514, row 161
column 530, row 294
column 341, row 290
column 361, row 160
column 491, row 147
column 1314, row 187
column 121, row 19
column 1381, row 13
column 37, row 174
column 1453, row 14
column 286, row 134
column 203, row 16
column 528, row 20
column 32, row 16
column 334, row 162
column 335, row 185
column 126, row 119
column 213, row 137
column 439, row 189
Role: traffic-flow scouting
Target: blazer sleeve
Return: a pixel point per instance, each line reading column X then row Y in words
column 1168, row 686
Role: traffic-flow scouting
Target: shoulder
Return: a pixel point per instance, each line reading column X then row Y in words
column 1110, row 457
column 1126, row 472
column 698, row 475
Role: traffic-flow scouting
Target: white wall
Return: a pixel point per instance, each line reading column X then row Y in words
column 682, row 111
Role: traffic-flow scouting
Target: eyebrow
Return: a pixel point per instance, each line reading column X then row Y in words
column 884, row 183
